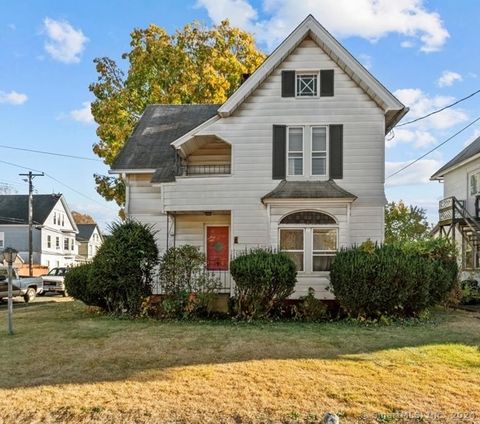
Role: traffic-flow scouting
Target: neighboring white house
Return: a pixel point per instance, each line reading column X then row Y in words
column 459, row 210
column 54, row 229
column 90, row 239
column 294, row 159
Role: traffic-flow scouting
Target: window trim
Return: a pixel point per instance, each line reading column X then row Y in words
column 315, row 72
column 295, row 151
column 293, row 227
column 327, row 142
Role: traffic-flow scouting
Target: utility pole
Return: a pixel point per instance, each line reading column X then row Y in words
column 30, row 177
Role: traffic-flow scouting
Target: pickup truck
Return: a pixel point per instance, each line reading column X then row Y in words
column 27, row 287
column 54, row 281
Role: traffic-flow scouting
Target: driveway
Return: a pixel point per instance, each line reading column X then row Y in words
column 47, row 298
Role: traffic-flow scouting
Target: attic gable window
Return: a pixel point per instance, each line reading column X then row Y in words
column 307, row 84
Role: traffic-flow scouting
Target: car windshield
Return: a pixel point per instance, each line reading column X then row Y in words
column 61, row 272
column 53, row 271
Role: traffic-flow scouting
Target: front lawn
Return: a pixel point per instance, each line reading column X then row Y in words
column 67, row 365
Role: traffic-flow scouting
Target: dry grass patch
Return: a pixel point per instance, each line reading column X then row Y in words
column 71, row 366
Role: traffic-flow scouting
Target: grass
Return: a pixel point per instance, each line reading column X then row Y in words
column 67, row 365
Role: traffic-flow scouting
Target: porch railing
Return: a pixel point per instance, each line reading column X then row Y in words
column 195, row 170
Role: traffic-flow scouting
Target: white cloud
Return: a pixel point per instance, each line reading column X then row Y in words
column 84, row 114
column 366, row 61
column 65, row 43
column 407, row 44
column 419, row 173
column 370, row 19
column 448, row 78
column 419, row 138
column 13, row 98
column 473, row 137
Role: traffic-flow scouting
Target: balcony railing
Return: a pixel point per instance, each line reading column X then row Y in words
column 195, row 170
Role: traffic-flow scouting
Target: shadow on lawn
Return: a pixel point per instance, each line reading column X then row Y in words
column 86, row 348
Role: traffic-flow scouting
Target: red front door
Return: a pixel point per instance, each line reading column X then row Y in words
column 217, row 248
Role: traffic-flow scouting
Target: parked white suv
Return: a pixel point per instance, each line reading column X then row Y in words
column 54, row 281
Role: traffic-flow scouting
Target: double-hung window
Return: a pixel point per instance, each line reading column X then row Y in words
column 57, row 243
column 307, row 84
column 292, row 243
column 65, row 243
column 324, row 247
column 295, row 151
column 319, row 151
column 49, row 241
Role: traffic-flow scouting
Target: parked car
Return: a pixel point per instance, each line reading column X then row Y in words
column 54, row 281
column 27, row 287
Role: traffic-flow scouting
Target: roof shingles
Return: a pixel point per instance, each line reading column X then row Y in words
column 14, row 208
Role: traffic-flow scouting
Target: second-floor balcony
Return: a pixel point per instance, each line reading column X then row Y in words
column 205, row 156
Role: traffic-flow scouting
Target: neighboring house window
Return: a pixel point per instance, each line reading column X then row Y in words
column 324, row 247
column 319, row 151
column 475, row 184
column 292, row 243
column 49, row 241
column 2, row 240
column 54, row 218
column 307, row 84
column 57, row 242
column 48, row 264
column 63, row 220
column 295, row 151
column 72, row 246
column 310, row 238
column 65, row 243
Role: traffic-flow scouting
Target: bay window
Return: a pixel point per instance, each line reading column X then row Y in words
column 310, row 239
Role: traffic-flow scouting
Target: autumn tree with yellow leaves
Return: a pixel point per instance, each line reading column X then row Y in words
column 194, row 65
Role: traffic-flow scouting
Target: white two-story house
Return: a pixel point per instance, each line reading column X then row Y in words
column 459, row 210
column 54, row 230
column 293, row 160
column 89, row 239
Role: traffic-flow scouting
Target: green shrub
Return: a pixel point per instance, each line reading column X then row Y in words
column 311, row 309
column 79, row 285
column 470, row 292
column 122, row 270
column 188, row 290
column 262, row 279
column 397, row 280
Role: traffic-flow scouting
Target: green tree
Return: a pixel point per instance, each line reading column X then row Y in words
column 404, row 222
column 194, row 65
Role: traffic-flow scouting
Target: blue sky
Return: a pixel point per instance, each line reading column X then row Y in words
column 424, row 51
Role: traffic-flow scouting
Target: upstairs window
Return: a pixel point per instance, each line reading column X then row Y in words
column 54, row 218
column 57, row 242
column 307, row 85
column 49, row 241
column 65, row 243
column 475, row 184
column 295, row 151
column 319, row 151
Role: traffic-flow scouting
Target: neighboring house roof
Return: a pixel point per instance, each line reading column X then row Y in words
column 148, row 148
column 85, row 231
column 393, row 108
column 14, row 208
column 308, row 190
column 467, row 154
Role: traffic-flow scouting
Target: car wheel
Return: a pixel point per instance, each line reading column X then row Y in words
column 42, row 293
column 30, row 295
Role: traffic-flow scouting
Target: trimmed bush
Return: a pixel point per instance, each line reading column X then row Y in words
column 189, row 290
column 79, row 285
column 263, row 279
column 398, row 280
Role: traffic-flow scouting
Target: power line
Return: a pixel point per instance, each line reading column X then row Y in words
column 43, row 152
column 59, row 182
column 439, row 110
column 435, row 148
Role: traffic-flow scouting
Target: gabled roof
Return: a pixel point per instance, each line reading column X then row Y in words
column 308, row 190
column 14, row 208
column 467, row 154
column 393, row 108
column 85, row 231
column 149, row 147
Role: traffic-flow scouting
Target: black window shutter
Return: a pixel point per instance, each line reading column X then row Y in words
column 279, row 149
column 336, row 151
column 326, row 83
column 288, row 83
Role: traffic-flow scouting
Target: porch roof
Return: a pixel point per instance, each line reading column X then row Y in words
column 308, row 190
